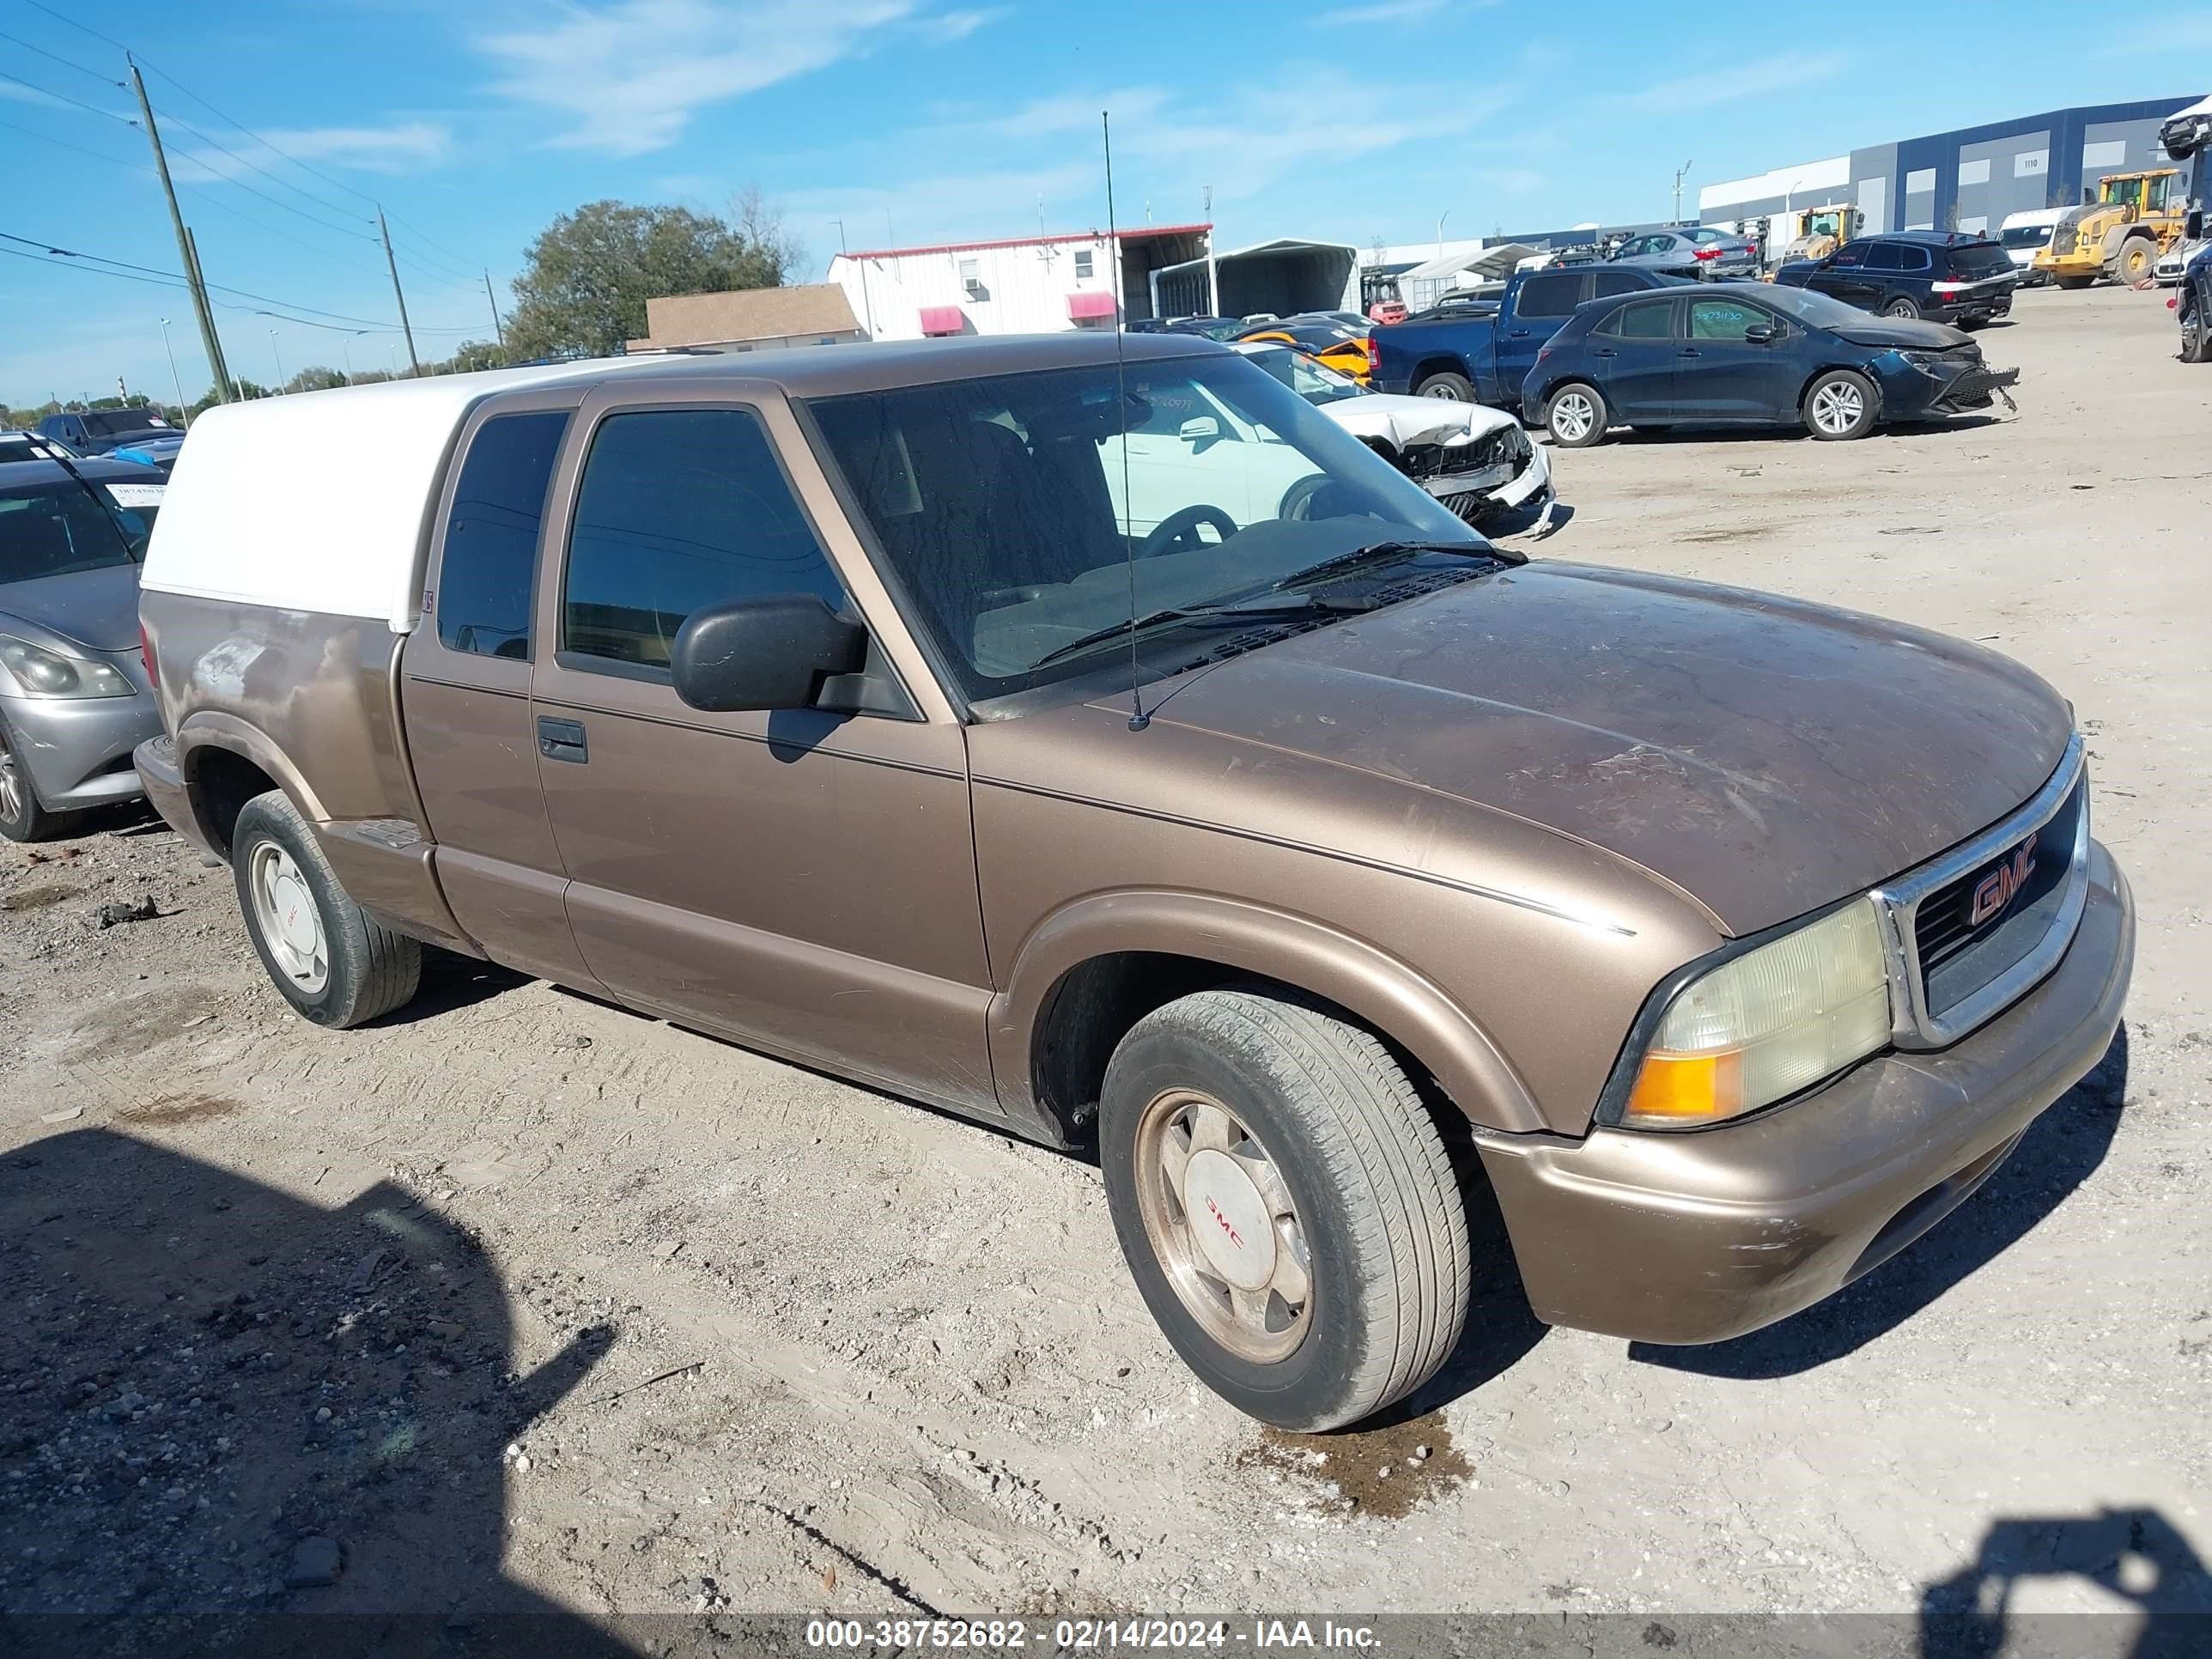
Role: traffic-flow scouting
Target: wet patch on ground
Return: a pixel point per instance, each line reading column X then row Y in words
column 38, row 898
column 1388, row 1473
column 134, row 1025
column 179, row 1109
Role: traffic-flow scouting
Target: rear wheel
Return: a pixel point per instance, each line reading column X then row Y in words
column 1453, row 388
column 1840, row 405
column 1576, row 416
column 1902, row 308
column 2077, row 282
column 1286, row 1206
column 335, row 964
column 21, row 816
column 2195, row 337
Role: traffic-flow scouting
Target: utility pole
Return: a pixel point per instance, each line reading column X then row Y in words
column 392, row 265
column 202, row 310
column 496, row 326
column 1681, row 173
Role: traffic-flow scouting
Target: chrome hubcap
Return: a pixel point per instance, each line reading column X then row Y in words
column 1572, row 417
column 290, row 924
column 1219, row 1217
column 1837, row 407
column 1441, row 389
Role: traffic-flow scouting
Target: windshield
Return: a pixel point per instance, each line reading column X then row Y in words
column 2026, row 236
column 55, row 529
column 1703, row 235
column 107, row 422
column 1017, row 516
column 1317, row 383
column 1979, row 259
column 1808, row 306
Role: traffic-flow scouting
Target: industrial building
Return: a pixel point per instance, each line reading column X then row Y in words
column 1967, row 180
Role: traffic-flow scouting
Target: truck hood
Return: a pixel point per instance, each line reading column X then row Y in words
column 1401, row 421
column 95, row 609
column 1762, row 755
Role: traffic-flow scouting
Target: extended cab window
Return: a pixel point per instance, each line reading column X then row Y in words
column 1607, row 283
column 679, row 509
column 490, row 563
column 1550, row 294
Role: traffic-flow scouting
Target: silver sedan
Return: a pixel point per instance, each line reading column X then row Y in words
column 75, row 698
column 1697, row 251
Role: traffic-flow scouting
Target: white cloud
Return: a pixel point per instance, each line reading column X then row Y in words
column 1689, row 92
column 633, row 73
column 1392, row 11
column 27, row 94
column 405, row 147
column 950, row 26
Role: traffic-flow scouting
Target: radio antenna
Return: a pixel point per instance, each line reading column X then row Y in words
column 1139, row 720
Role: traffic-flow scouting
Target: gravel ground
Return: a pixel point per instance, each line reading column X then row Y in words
column 518, row 1300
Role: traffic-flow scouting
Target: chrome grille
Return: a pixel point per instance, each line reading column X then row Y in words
column 1949, row 973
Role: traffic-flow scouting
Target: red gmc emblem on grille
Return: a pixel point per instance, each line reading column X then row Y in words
column 1999, row 888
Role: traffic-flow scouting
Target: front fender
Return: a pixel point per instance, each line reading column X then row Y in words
column 1391, row 995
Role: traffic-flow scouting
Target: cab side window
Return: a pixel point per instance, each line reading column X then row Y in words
column 1610, row 282
column 679, row 509
column 490, row 564
column 1886, row 256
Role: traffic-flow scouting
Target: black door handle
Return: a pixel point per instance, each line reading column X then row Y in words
column 1603, row 351
column 1687, row 352
column 1520, row 333
column 562, row 740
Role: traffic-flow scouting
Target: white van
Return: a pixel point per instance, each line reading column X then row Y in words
column 2023, row 234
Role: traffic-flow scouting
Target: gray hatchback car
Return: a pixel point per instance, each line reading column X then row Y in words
column 1697, row 251
column 74, row 698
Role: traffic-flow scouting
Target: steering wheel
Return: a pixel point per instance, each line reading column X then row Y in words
column 1180, row 527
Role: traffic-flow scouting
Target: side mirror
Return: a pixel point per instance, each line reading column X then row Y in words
column 1200, row 429
column 769, row 653
column 2192, row 227
column 1760, row 333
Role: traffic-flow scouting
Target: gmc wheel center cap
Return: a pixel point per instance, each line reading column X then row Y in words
column 1229, row 1220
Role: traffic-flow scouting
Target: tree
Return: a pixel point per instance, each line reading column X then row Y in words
column 588, row 275
column 471, row 355
column 315, row 379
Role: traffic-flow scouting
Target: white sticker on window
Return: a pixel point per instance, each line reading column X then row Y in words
column 137, row 495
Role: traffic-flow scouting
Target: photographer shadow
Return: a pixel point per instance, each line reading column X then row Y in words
column 233, row 1421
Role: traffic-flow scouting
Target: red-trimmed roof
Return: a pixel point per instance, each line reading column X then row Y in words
column 1130, row 234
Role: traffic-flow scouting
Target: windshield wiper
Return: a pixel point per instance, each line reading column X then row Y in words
column 1305, row 605
column 1376, row 552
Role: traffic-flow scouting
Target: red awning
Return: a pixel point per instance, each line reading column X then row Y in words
column 1096, row 303
column 942, row 319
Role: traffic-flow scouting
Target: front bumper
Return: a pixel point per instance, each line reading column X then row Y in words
column 1698, row 1237
column 1909, row 392
column 77, row 750
column 1478, row 496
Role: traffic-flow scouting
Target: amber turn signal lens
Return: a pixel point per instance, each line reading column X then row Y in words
column 1687, row 1089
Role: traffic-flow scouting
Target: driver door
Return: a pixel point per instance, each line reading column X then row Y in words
column 804, row 882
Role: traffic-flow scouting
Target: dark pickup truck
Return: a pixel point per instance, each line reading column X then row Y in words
column 1479, row 354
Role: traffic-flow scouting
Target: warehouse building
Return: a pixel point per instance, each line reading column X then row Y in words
column 1968, row 179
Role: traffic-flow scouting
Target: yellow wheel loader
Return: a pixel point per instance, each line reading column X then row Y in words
column 2135, row 218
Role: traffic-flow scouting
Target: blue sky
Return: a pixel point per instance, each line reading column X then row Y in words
column 910, row 121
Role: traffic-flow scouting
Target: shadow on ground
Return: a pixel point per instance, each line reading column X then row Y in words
column 2059, row 1152
column 234, row 1422
column 2136, row 1556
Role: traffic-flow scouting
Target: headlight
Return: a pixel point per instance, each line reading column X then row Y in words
column 44, row 673
column 1922, row 360
column 1760, row 1027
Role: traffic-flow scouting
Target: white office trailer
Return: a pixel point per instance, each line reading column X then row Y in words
column 1023, row 285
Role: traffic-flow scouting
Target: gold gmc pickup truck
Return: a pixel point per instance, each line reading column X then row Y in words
column 957, row 717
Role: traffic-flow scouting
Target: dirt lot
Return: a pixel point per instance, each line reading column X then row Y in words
column 521, row 1301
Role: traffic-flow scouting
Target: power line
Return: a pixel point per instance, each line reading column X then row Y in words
column 179, row 121
column 85, row 28
column 63, row 143
column 67, row 62
column 63, row 98
column 233, row 121
column 419, row 236
column 213, row 200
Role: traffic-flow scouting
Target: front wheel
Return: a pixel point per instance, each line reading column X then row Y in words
column 1576, row 416
column 21, row 816
column 1286, row 1206
column 1840, row 405
column 334, row 963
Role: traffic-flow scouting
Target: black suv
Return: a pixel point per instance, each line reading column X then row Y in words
column 1947, row 277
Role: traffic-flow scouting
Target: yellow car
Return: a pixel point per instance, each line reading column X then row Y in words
column 1326, row 342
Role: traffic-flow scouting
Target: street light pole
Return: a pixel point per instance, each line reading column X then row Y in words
column 345, row 345
column 279, row 356
column 184, row 415
column 1441, row 218
column 1681, row 172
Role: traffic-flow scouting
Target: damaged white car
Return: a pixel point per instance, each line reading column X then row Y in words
column 1476, row 460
